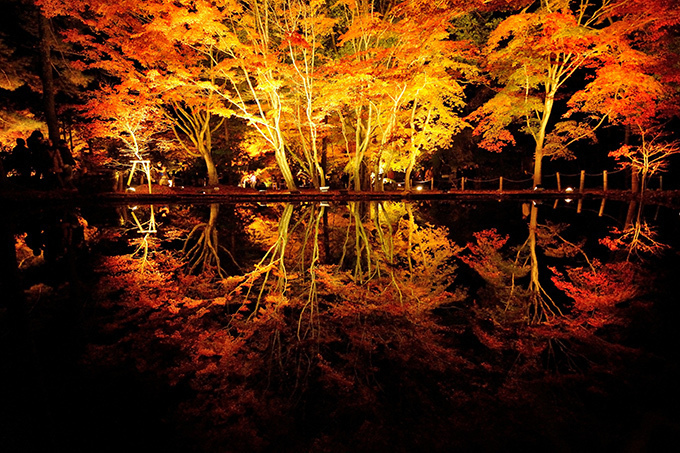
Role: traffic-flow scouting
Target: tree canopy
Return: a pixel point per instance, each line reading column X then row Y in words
column 356, row 87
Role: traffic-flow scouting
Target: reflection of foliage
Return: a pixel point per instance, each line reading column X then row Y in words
column 143, row 244
column 596, row 291
column 488, row 257
column 272, row 262
column 550, row 240
column 485, row 258
column 411, row 258
column 364, row 266
column 394, row 358
column 368, row 359
column 429, row 251
column 373, row 250
column 639, row 239
column 147, row 228
column 25, row 255
column 314, row 328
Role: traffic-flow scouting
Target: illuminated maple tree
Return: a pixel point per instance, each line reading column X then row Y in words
column 37, row 72
column 647, row 159
column 398, row 85
column 152, row 47
column 128, row 113
column 380, row 86
column 535, row 54
column 271, row 78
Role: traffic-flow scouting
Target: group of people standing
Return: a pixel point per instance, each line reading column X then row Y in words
column 39, row 163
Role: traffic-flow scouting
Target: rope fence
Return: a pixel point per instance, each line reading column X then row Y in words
column 577, row 182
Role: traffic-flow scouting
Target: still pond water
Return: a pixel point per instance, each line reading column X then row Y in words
column 369, row 326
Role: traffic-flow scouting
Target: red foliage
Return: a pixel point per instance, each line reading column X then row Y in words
column 596, row 292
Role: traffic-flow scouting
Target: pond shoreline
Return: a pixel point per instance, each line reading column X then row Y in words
column 140, row 194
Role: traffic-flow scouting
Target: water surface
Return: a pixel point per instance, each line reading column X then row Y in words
column 334, row 326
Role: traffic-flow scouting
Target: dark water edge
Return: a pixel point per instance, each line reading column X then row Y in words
column 51, row 400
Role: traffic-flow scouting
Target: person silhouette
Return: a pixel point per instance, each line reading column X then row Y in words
column 21, row 161
column 40, row 156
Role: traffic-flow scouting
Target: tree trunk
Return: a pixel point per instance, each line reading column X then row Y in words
column 538, row 166
column 540, row 138
column 286, row 172
column 324, row 160
column 213, row 177
column 47, row 79
column 409, row 169
column 634, row 181
column 634, row 175
column 630, row 214
column 535, row 309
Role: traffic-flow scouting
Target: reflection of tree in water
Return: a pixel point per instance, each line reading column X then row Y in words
column 202, row 248
column 145, row 223
column 383, row 249
column 637, row 237
column 488, row 256
column 272, row 261
column 548, row 237
column 314, row 347
column 373, row 246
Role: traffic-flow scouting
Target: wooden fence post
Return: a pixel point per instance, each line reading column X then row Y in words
column 599, row 214
column 462, row 183
column 500, row 185
column 604, row 181
column 559, row 182
column 660, row 182
column 583, row 180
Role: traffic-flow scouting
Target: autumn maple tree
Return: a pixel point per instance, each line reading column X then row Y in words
column 535, row 56
column 154, row 46
column 37, row 74
column 647, row 159
column 127, row 112
column 397, row 86
column 377, row 87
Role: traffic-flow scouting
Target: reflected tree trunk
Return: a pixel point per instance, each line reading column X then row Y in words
column 201, row 248
column 541, row 307
column 637, row 238
column 360, row 247
column 272, row 261
column 369, row 243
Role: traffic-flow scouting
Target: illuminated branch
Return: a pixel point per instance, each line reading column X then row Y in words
column 647, row 159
